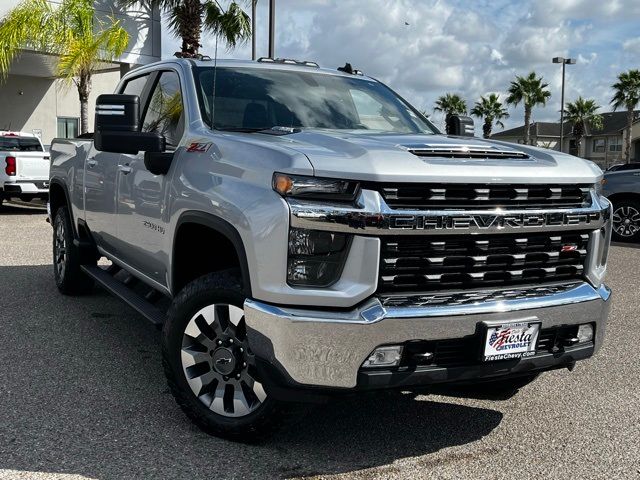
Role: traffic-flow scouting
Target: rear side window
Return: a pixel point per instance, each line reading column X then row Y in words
column 20, row 144
column 165, row 113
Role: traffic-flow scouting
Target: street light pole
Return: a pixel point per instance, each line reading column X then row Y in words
column 272, row 28
column 564, row 62
column 253, row 29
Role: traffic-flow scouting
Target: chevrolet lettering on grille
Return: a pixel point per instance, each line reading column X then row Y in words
column 522, row 220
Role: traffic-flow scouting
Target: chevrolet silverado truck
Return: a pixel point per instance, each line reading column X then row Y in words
column 622, row 187
column 300, row 232
column 24, row 167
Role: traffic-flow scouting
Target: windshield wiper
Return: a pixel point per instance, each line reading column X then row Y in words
column 275, row 130
column 239, row 129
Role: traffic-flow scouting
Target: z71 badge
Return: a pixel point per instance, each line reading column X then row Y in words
column 198, row 147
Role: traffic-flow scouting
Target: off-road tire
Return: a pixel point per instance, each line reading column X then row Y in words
column 213, row 289
column 69, row 278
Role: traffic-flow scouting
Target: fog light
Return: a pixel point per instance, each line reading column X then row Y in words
column 585, row 333
column 384, row 357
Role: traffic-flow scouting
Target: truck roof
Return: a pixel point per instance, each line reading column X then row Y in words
column 269, row 65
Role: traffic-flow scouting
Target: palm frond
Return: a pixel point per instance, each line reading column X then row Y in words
column 232, row 24
column 32, row 24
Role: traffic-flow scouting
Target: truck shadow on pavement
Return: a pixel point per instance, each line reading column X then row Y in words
column 82, row 392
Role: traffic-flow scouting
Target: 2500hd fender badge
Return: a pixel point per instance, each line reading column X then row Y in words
column 482, row 222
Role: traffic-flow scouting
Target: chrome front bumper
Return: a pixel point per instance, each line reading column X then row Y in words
column 327, row 348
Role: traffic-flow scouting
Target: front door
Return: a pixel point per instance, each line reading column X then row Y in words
column 141, row 196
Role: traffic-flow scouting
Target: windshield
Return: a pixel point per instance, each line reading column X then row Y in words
column 20, row 144
column 250, row 99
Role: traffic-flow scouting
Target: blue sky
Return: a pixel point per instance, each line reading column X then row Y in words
column 471, row 47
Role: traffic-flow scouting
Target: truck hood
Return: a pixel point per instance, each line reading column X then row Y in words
column 388, row 158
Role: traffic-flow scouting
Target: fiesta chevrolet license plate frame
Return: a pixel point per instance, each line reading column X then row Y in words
column 511, row 340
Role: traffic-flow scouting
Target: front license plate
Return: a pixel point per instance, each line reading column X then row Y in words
column 511, row 340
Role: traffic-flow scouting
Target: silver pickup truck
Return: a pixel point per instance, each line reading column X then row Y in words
column 301, row 232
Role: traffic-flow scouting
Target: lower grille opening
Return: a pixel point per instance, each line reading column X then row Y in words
column 467, row 350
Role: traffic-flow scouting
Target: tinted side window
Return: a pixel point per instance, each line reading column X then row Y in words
column 135, row 85
column 165, row 113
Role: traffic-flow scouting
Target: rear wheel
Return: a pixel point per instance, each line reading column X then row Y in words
column 70, row 279
column 209, row 365
column 626, row 220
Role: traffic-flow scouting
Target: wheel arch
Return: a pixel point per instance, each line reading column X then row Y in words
column 622, row 196
column 218, row 227
column 59, row 197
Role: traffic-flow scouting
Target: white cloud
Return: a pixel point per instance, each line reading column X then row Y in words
column 424, row 48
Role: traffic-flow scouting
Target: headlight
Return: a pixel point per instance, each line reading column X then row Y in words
column 316, row 258
column 314, row 188
column 598, row 186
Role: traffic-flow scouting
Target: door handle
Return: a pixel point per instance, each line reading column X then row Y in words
column 125, row 169
column 91, row 163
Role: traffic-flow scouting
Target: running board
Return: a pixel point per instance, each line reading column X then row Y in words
column 118, row 289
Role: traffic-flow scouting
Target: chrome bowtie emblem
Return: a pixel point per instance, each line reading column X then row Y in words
column 223, row 361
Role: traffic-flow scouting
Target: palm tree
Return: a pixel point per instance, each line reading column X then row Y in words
column 450, row 104
column 70, row 31
column 189, row 18
column 583, row 113
column 490, row 108
column 530, row 91
column 627, row 95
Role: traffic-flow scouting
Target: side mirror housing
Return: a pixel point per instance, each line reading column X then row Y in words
column 117, row 127
column 461, row 126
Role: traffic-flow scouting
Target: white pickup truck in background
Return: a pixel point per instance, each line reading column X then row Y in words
column 24, row 167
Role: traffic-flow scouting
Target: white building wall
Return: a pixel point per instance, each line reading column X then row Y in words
column 36, row 103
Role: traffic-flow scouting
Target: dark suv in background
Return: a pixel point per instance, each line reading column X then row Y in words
column 621, row 184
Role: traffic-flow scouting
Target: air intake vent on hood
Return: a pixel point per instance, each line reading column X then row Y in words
column 464, row 151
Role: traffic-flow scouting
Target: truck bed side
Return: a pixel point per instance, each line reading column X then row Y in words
column 68, row 157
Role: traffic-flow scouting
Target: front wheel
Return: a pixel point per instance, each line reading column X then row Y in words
column 209, row 365
column 626, row 220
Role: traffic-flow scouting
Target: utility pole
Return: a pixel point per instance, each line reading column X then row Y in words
column 253, row 29
column 272, row 28
column 564, row 62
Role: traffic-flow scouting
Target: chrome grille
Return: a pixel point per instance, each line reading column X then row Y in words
column 427, row 264
column 439, row 196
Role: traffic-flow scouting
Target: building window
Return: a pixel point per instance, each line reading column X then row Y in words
column 67, row 127
column 598, row 145
column 615, row 144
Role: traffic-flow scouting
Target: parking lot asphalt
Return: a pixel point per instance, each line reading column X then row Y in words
column 82, row 395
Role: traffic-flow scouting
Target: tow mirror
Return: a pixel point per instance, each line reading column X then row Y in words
column 117, row 127
column 460, row 126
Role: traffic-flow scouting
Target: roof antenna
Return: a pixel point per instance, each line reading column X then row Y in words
column 215, row 74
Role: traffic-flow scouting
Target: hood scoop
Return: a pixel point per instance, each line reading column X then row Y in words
column 478, row 152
